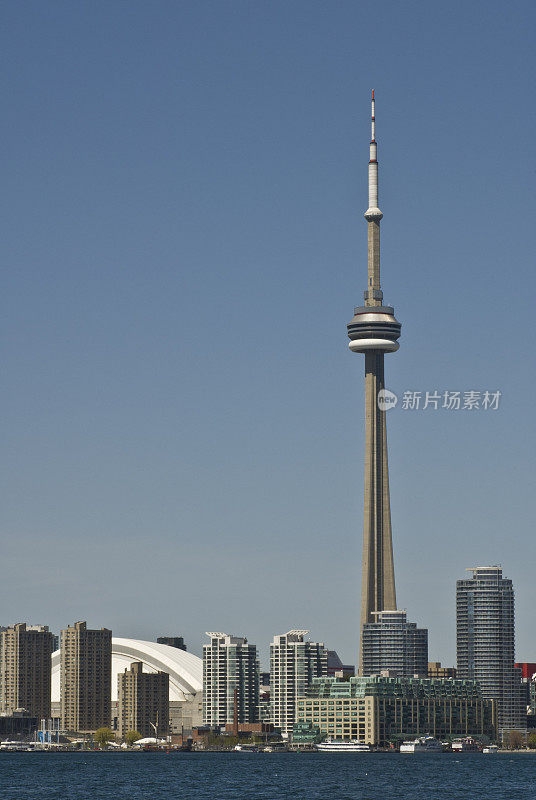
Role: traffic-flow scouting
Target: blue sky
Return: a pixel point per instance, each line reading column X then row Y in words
column 183, row 245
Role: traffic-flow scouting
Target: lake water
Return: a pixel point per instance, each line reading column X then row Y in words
column 265, row 776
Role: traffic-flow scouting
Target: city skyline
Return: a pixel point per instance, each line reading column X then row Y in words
column 155, row 209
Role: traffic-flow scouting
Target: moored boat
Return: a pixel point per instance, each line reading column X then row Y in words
column 423, row 744
column 467, row 745
column 339, row 746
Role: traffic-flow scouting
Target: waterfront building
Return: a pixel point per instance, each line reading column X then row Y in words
column 435, row 670
column 85, row 678
column 143, row 699
column 392, row 643
column 20, row 725
column 294, row 662
column 380, row 710
column 230, row 680
column 172, row 641
column 374, row 331
column 305, row 733
column 531, row 708
column 25, row 669
column 485, row 642
column 526, row 673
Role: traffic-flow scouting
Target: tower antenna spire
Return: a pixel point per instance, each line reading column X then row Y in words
column 373, row 213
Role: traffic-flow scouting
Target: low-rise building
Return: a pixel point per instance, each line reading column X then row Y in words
column 435, row 670
column 305, row 733
column 183, row 715
column 531, row 709
column 18, row 725
column 526, row 672
column 380, row 710
column 528, row 669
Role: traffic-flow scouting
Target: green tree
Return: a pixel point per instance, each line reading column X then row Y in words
column 103, row 736
column 514, row 740
column 532, row 741
column 131, row 737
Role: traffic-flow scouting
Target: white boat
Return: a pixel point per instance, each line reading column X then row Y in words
column 491, row 748
column 467, row 745
column 338, row 746
column 423, row 744
column 15, row 745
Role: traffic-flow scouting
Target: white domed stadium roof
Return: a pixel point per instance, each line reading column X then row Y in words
column 184, row 669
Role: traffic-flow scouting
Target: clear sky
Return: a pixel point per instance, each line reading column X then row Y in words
column 183, row 244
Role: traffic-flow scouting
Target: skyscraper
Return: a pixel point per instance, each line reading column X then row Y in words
column 485, row 642
column 143, row 699
column 374, row 331
column 25, row 669
column 230, row 670
column 393, row 643
column 294, row 663
column 85, row 678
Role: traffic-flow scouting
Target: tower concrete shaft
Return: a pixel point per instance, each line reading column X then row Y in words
column 378, row 575
column 374, row 331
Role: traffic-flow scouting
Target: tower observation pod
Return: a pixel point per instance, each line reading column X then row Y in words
column 375, row 331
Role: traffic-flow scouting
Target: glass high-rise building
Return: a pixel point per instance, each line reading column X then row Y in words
column 294, row 662
column 393, row 643
column 485, row 642
column 230, row 668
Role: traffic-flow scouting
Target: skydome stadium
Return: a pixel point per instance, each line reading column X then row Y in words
column 184, row 669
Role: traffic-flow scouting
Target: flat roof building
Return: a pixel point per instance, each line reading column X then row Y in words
column 143, row 701
column 25, row 669
column 230, row 673
column 172, row 641
column 392, row 643
column 381, row 710
column 85, row 678
column 294, row 662
column 485, row 642
column 435, row 670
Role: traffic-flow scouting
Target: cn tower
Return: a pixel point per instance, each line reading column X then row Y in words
column 374, row 331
